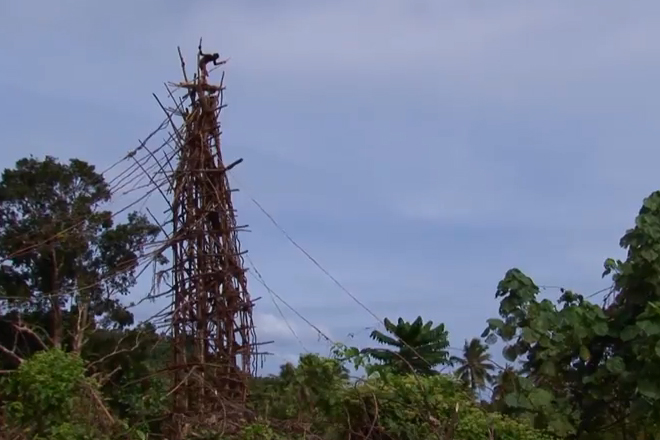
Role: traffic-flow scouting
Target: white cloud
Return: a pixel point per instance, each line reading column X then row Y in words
column 270, row 326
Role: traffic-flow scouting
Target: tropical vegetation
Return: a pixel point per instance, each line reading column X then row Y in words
column 475, row 367
column 74, row 364
column 414, row 347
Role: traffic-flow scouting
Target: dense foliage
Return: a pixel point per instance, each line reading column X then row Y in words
column 75, row 366
column 590, row 370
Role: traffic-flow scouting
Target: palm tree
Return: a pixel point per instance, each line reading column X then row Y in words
column 418, row 346
column 475, row 366
column 505, row 383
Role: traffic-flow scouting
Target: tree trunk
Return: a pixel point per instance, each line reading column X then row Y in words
column 56, row 330
column 81, row 325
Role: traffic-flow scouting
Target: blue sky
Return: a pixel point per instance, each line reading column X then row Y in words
column 417, row 149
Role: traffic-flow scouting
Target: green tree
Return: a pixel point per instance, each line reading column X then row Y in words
column 131, row 363
column 316, row 399
column 65, row 259
column 49, row 396
column 418, row 346
column 475, row 366
column 590, row 369
column 301, row 390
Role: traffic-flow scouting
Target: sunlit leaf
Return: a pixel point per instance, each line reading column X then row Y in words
column 584, row 353
column 615, row 365
column 495, row 323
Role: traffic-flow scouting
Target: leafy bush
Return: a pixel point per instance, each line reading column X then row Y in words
column 387, row 405
column 45, row 397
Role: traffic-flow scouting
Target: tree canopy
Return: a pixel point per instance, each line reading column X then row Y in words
column 64, row 257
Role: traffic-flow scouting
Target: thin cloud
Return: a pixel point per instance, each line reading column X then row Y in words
column 284, row 330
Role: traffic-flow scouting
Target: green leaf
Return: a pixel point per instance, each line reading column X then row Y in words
column 525, row 383
column 517, row 400
column 629, row 333
column 491, row 339
column 615, row 365
column 608, row 266
column 545, row 341
column 580, row 331
column 560, row 426
column 495, row 323
column 548, row 368
column 657, row 349
column 511, row 400
column 650, row 328
column 585, row 354
column 510, row 353
column 655, row 306
column 540, row 397
column 508, row 332
column 648, row 389
column 523, row 402
column 649, row 255
column 528, row 335
column 600, row 328
column 540, row 323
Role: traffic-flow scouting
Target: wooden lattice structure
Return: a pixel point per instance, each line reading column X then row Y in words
column 211, row 313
